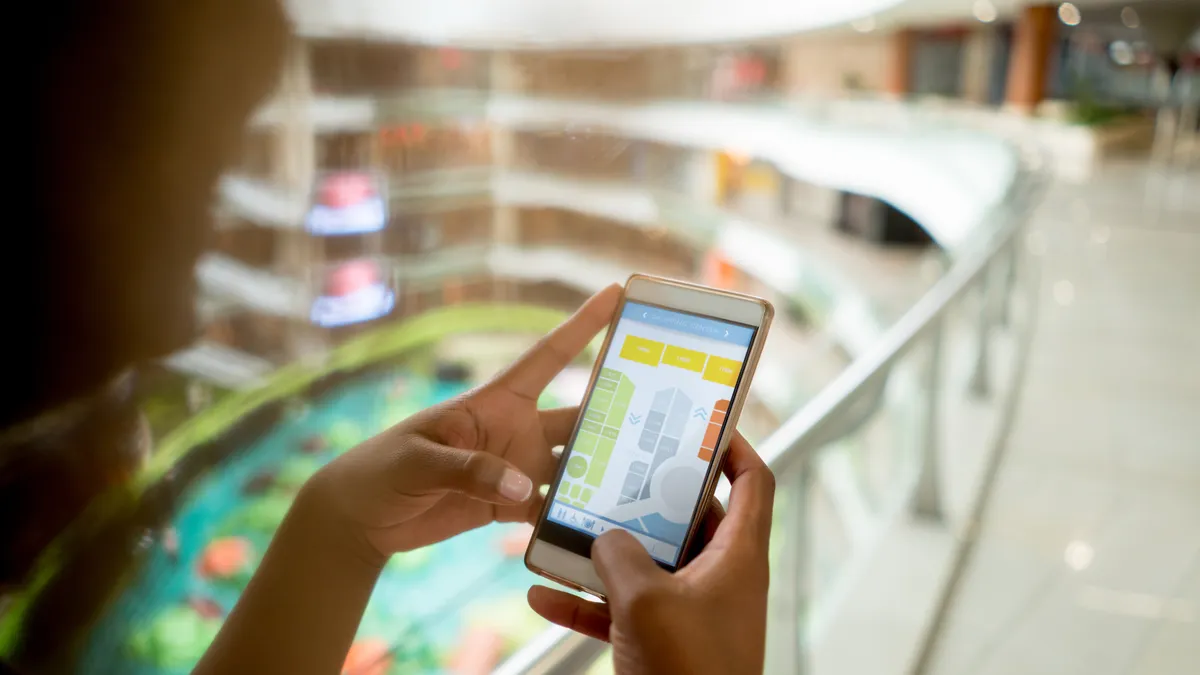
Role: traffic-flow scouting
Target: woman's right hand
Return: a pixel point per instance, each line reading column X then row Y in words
column 708, row 618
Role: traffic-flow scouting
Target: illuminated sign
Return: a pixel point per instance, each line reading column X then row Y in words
column 348, row 203
column 351, row 293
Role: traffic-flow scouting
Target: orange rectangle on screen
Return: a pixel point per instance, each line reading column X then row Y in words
column 705, row 454
column 722, row 405
column 718, row 417
column 711, row 436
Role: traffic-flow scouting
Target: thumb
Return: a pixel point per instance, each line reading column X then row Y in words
column 426, row 466
column 624, row 565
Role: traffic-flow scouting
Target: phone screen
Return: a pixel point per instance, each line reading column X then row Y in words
column 650, row 429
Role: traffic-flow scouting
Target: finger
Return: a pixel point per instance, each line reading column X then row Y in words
column 741, row 457
column 624, row 565
column 708, row 529
column 423, row 466
column 712, row 520
column 747, row 525
column 533, row 511
column 570, row 611
column 537, row 367
column 558, row 424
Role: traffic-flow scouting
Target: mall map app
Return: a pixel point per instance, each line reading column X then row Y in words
column 650, row 427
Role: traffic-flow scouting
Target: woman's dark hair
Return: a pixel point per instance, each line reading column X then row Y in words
column 134, row 107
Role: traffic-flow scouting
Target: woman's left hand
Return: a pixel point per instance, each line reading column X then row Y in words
column 465, row 463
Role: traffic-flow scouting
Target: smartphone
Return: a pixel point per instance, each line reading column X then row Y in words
column 661, row 407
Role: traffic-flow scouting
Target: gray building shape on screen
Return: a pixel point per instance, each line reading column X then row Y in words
column 665, row 424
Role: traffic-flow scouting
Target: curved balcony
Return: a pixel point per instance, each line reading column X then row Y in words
column 944, row 176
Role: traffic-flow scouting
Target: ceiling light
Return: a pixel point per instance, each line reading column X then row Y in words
column 864, row 25
column 985, row 11
column 1079, row 555
column 1064, row 293
column 1069, row 14
column 1121, row 53
column 1129, row 17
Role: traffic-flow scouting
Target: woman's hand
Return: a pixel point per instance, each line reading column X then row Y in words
column 468, row 462
column 711, row 616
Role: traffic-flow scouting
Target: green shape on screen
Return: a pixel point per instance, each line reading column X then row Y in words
column 585, row 444
column 576, row 467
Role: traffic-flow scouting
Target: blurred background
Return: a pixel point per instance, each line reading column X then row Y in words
column 979, row 221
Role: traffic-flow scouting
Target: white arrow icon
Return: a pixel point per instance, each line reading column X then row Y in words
column 726, row 333
column 644, row 314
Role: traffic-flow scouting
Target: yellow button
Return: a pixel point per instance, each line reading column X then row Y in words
column 688, row 359
column 722, row 371
column 641, row 350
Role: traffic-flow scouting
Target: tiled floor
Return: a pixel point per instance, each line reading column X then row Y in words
column 1089, row 560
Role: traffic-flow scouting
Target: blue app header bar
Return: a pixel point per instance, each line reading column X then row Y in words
column 712, row 329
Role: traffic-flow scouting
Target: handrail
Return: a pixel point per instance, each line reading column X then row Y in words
column 780, row 450
column 827, row 415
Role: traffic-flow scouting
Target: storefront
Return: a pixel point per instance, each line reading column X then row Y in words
column 747, row 185
column 634, row 246
column 424, row 233
column 607, row 75
column 579, row 153
column 344, row 151
column 359, row 68
column 414, row 147
column 743, row 74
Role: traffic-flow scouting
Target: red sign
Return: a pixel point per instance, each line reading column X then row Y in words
column 347, row 189
column 351, row 277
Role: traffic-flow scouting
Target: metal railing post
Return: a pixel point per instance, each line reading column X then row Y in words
column 1004, row 302
column 927, row 501
column 980, row 382
column 796, row 566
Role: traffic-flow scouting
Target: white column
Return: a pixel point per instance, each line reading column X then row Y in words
column 295, row 163
column 505, row 76
column 294, row 170
column 506, row 79
column 701, row 176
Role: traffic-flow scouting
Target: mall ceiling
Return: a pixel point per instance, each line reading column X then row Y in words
column 599, row 24
column 559, row 24
column 932, row 12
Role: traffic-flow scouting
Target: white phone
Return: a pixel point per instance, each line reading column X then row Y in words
column 659, row 412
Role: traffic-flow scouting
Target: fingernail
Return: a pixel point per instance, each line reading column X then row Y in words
column 515, row 486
